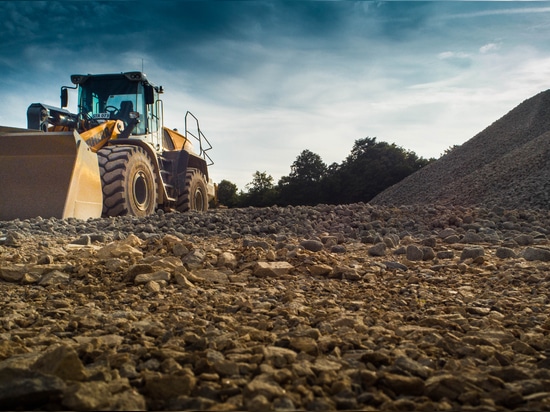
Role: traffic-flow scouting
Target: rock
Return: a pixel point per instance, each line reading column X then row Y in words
column 119, row 250
column 164, row 386
column 396, row 265
column 445, row 233
column 180, row 249
column 61, row 361
column 263, row 385
column 258, row 403
column 45, row 260
column 471, row 238
column 505, row 253
column 444, row 386
column 428, row 253
column 182, row 280
column 403, row 385
column 325, row 365
column 84, row 240
column 536, row 253
column 472, row 252
column 87, row 396
column 452, row 239
column 378, row 249
column 320, row 270
column 153, row 286
column 160, row 275
column 136, row 270
column 414, row 253
column 430, row 242
column 225, row 367
column 54, row 277
column 409, row 365
column 272, row 269
column 26, row 389
column 445, row 254
column 279, row 357
column 345, row 272
column 524, row 239
column 227, row 259
column 312, row 245
column 127, row 400
column 304, row 344
column 338, row 249
column 12, row 273
column 194, row 259
column 211, row 275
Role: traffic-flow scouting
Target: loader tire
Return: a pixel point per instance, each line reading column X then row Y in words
column 128, row 181
column 195, row 195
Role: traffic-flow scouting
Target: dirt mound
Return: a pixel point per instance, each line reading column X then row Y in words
column 506, row 165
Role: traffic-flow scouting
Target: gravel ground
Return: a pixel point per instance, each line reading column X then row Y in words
column 355, row 307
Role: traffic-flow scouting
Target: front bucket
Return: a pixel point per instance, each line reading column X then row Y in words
column 48, row 175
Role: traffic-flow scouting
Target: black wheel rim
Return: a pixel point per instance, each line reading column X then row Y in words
column 199, row 200
column 141, row 194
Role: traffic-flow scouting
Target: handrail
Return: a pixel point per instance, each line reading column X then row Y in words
column 200, row 137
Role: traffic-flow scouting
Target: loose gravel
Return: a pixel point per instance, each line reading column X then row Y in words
column 506, row 165
column 353, row 307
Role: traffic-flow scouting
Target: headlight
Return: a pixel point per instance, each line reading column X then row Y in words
column 79, row 78
column 135, row 76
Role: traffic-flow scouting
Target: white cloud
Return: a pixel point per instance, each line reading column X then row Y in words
column 489, row 47
column 453, row 55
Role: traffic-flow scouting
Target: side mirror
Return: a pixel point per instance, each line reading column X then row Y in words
column 149, row 94
column 64, row 97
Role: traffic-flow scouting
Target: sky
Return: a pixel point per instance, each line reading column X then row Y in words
column 270, row 79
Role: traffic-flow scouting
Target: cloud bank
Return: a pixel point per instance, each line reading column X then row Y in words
column 270, row 79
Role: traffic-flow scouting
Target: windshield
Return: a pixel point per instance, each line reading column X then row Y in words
column 107, row 98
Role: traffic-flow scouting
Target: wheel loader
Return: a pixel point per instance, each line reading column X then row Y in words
column 112, row 157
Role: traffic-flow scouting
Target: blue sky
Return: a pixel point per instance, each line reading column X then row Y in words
column 268, row 79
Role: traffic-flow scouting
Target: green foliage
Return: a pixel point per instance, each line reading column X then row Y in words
column 261, row 191
column 302, row 186
column 227, row 193
column 370, row 168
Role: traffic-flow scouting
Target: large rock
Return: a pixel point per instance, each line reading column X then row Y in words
column 536, row 253
column 28, row 389
column 272, row 269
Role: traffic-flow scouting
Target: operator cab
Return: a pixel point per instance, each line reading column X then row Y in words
column 122, row 96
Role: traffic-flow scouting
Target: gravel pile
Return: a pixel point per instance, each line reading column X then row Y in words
column 507, row 164
column 299, row 308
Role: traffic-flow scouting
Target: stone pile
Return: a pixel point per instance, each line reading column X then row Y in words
column 507, row 164
column 308, row 308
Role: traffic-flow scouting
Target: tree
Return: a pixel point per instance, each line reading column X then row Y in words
column 374, row 166
column 308, row 167
column 261, row 191
column 302, row 185
column 261, row 182
column 227, row 193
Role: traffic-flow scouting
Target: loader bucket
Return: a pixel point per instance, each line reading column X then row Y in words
column 48, row 175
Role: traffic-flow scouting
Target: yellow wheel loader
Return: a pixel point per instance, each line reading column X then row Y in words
column 114, row 157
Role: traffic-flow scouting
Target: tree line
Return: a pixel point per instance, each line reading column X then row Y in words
column 370, row 168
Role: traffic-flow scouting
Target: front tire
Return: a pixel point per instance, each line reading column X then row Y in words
column 195, row 194
column 128, row 181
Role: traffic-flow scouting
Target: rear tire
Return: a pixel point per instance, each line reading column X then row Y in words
column 128, row 181
column 195, row 194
